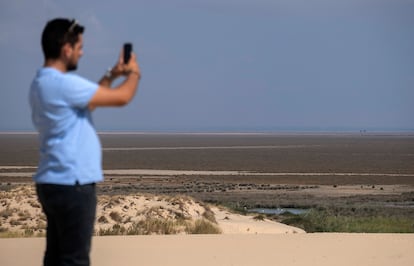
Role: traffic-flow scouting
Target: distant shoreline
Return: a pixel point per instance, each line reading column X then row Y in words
column 258, row 133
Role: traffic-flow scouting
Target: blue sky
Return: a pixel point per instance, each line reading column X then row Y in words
column 247, row 65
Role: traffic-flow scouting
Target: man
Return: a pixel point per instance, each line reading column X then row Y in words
column 70, row 151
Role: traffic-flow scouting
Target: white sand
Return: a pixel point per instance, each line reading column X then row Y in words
column 239, row 250
column 231, row 223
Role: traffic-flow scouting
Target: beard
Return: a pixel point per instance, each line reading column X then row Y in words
column 72, row 66
column 72, row 63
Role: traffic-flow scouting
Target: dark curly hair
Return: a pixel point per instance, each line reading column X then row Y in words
column 57, row 33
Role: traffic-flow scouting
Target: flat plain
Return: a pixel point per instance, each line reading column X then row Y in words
column 247, row 170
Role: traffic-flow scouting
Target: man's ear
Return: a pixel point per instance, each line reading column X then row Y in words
column 67, row 50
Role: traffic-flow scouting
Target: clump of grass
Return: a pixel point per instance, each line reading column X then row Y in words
column 6, row 213
column 10, row 234
column 42, row 217
column 151, row 226
column 24, row 215
column 28, row 232
column 103, row 219
column 144, row 227
column 116, row 216
column 202, row 226
column 15, row 222
column 303, row 222
column 259, row 217
column 34, row 204
column 116, row 229
column 41, row 225
column 209, row 215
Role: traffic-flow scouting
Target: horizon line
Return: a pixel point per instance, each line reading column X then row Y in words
column 275, row 132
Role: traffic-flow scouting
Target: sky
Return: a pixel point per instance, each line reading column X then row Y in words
column 226, row 65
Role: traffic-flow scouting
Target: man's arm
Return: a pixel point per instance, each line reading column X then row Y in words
column 122, row 94
column 108, row 78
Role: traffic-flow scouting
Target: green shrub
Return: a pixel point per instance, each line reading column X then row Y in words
column 328, row 221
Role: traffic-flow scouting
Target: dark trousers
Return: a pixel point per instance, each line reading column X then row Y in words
column 70, row 213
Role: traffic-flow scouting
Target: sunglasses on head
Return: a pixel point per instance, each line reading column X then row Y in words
column 72, row 25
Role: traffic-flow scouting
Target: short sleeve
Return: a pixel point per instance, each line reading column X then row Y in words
column 78, row 91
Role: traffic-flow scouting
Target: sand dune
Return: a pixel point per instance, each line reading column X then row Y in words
column 21, row 215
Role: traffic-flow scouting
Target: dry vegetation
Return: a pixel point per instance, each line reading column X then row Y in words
column 147, row 214
column 21, row 215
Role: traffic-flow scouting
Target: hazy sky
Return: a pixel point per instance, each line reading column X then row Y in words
column 227, row 65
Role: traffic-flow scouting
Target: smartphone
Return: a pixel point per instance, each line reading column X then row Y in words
column 127, row 52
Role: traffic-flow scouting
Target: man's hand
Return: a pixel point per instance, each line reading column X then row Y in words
column 121, row 69
column 123, row 93
column 132, row 67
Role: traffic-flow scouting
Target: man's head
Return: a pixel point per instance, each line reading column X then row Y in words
column 62, row 39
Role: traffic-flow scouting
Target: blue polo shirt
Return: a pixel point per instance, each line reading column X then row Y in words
column 70, row 150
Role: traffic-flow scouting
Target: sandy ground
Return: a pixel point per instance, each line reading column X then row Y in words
column 203, row 250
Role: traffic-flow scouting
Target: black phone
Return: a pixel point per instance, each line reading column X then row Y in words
column 127, row 52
